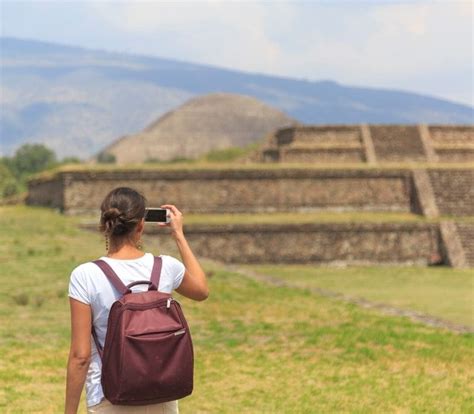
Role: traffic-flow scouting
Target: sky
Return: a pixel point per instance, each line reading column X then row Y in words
column 417, row 46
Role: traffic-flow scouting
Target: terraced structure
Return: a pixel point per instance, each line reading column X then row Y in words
column 371, row 144
column 370, row 204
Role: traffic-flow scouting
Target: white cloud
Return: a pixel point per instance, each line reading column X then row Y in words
column 422, row 46
column 224, row 34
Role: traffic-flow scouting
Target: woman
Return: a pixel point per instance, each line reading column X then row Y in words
column 91, row 295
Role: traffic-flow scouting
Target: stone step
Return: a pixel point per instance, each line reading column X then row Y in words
column 466, row 236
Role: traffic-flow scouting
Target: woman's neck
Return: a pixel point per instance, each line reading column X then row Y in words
column 125, row 252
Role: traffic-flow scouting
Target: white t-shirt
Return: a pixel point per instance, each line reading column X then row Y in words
column 89, row 285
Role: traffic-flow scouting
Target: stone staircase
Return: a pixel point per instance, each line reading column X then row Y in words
column 466, row 236
column 454, row 191
column 397, row 143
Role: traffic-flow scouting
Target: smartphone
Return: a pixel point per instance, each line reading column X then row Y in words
column 157, row 215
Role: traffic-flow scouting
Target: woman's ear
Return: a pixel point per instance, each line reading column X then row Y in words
column 141, row 226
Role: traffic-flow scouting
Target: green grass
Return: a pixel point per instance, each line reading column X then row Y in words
column 258, row 349
column 308, row 217
column 232, row 154
column 219, row 164
column 439, row 291
column 319, row 217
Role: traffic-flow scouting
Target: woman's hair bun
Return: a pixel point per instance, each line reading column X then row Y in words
column 111, row 214
column 113, row 220
column 121, row 210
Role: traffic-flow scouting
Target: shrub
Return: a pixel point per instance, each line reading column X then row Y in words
column 8, row 183
column 106, row 158
column 21, row 299
column 227, row 154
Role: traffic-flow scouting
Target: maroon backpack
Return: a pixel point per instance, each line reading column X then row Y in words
column 148, row 352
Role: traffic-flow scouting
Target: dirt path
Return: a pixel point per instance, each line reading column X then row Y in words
column 381, row 307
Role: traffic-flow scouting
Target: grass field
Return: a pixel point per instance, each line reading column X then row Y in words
column 439, row 291
column 259, row 349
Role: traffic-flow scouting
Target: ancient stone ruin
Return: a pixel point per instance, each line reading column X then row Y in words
column 433, row 182
column 371, row 144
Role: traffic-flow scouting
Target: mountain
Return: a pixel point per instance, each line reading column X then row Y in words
column 205, row 123
column 77, row 101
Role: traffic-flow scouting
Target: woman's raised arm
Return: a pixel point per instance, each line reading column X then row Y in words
column 194, row 284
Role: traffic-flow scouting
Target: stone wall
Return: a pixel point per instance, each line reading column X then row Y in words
column 244, row 190
column 453, row 143
column 454, row 191
column 351, row 243
column 451, row 134
column 331, row 134
column 429, row 192
column 332, row 143
column 47, row 192
column 455, row 154
column 395, row 143
column 321, row 154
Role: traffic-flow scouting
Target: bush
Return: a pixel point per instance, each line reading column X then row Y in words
column 71, row 160
column 106, row 158
column 10, row 188
column 21, row 299
column 8, row 183
column 228, row 154
column 171, row 161
column 231, row 154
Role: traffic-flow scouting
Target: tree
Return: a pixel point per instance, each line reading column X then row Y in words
column 32, row 158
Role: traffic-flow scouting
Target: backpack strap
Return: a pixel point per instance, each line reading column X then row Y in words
column 156, row 273
column 112, row 276
column 118, row 284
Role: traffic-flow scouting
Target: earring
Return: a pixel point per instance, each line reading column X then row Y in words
column 106, row 243
column 139, row 244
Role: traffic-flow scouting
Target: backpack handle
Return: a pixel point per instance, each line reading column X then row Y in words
column 119, row 285
column 141, row 282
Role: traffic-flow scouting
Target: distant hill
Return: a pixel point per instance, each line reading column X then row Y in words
column 215, row 121
column 77, row 101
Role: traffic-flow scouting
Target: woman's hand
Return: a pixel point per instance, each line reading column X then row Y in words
column 176, row 222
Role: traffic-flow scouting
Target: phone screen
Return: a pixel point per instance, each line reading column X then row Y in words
column 156, row 215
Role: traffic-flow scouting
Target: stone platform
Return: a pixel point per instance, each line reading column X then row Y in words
column 434, row 192
column 336, row 243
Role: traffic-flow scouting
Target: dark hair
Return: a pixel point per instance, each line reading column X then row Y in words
column 121, row 211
